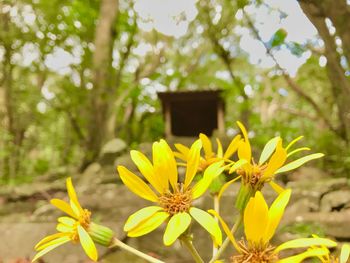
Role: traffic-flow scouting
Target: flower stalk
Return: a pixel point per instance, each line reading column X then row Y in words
column 217, row 210
column 187, row 241
column 227, row 240
column 117, row 243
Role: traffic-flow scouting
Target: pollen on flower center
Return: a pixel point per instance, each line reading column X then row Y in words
column 255, row 254
column 253, row 177
column 178, row 201
column 84, row 218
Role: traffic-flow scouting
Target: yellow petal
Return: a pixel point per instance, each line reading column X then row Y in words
column 169, row 163
column 146, row 168
column 302, row 256
column 306, row 242
column 136, row 185
column 244, row 149
column 87, row 243
column 220, row 151
column 66, row 220
column 160, row 166
column 49, row 238
column 139, row 216
column 269, row 149
column 180, row 156
column 345, row 253
column 237, row 165
column 226, row 185
column 278, row 189
column 193, row 162
column 207, row 147
column 177, row 224
column 75, row 208
column 226, row 229
column 63, row 206
column 299, row 162
column 213, row 171
column 60, row 240
column 276, row 161
column 232, row 148
column 48, row 249
column 64, row 228
column 298, row 150
column 72, row 194
column 255, row 218
column 208, row 223
column 275, row 213
column 293, row 142
column 149, row 224
column 183, row 150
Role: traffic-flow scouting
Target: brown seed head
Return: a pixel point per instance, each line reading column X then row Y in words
column 255, row 254
column 176, row 202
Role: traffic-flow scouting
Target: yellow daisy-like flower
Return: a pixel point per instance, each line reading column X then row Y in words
column 209, row 155
column 173, row 199
column 260, row 224
column 328, row 258
column 271, row 162
column 73, row 228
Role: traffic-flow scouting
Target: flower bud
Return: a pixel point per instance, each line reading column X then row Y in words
column 101, row 234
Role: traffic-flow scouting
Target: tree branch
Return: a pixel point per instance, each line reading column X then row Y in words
column 291, row 83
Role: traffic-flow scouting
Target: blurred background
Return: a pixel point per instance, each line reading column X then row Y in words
column 79, row 82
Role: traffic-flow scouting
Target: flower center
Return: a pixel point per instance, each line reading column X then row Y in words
column 255, row 254
column 84, row 221
column 84, row 218
column 178, row 201
column 334, row 260
column 253, row 175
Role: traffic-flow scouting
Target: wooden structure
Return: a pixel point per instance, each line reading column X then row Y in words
column 188, row 113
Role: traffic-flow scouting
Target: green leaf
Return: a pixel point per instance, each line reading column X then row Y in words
column 297, row 163
column 268, row 149
column 278, row 38
column 296, row 49
column 217, row 183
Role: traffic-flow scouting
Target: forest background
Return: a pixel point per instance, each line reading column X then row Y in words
column 75, row 74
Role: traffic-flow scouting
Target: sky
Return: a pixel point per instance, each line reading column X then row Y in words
column 173, row 17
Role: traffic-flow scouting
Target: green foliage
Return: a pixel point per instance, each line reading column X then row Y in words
column 278, row 38
column 50, row 107
column 41, row 166
column 304, row 229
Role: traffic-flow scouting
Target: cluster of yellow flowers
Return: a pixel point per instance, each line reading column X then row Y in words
column 173, row 195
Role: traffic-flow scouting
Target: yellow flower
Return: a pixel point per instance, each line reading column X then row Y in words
column 271, row 162
column 327, row 258
column 173, row 200
column 209, row 155
column 256, row 174
column 73, row 228
column 260, row 224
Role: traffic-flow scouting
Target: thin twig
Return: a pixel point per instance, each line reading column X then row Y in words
column 291, row 83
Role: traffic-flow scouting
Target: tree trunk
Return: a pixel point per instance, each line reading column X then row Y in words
column 102, row 91
column 340, row 84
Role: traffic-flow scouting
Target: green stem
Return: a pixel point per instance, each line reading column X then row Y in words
column 186, row 240
column 217, row 210
column 227, row 240
column 117, row 243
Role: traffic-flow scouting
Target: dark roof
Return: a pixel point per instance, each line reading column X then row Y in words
column 189, row 95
